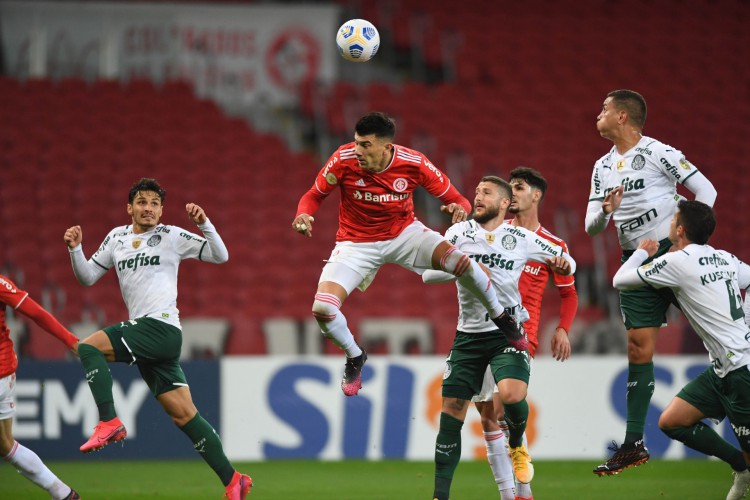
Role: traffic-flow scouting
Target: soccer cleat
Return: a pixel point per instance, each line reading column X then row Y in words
column 513, row 331
column 522, row 466
column 105, row 433
column 239, row 487
column 524, row 498
column 352, row 381
column 73, row 495
column 740, row 485
column 627, row 455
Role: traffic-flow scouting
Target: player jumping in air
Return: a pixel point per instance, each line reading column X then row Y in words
column 635, row 186
column 377, row 226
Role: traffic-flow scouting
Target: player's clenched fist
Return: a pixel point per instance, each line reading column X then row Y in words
column 196, row 213
column 73, row 236
column 303, row 224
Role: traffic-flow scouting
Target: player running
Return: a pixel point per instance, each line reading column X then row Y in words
column 26, row 462
column 146, row 256
column 377, row 226
column 635, row 186
column 503, row 250
column 707, row 284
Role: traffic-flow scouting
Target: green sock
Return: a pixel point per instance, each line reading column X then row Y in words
column 207, row 443
column 639, row 392
column 516, row 415
column 100, row 380
column 447, row 454
column 701, row 437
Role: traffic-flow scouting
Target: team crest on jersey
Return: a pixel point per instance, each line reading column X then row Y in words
column 136, row 243
column 620, row 165
column 490, row 237
column 400, row 185
column 638, row 162
column 331, row 178
column 154, row 240
column 508, row 242
column 686, row 164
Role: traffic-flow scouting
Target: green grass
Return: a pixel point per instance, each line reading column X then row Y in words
column 359, row 480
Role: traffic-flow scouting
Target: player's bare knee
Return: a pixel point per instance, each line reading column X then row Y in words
column 6, row 444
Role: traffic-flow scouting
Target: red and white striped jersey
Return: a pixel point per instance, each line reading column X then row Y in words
column 9, row 295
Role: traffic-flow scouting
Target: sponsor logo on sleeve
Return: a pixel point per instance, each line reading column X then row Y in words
column 686, row 164
column 331, row 178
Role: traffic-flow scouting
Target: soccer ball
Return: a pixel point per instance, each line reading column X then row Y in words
column 358, row 40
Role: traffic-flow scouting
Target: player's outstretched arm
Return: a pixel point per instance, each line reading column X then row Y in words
column 701, row 187
column 216, row 251
column 87, row 273
column 30, row 308
column 627, row 276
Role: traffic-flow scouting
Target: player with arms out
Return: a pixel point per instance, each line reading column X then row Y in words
column 503, row 250
column 26, row 462
column 146, row 256
column 706, row 283
column 635, row 185
column 377, row 226
column 529, row 188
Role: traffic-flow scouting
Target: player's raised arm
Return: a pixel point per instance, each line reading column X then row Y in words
column 86, row 272
column 41, row 317
column 216, row 251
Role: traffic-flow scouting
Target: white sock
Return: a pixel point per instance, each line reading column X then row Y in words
column 30, row 466
column 327, row 312
column 470, row 275
column 500, row 463
column 524, row 490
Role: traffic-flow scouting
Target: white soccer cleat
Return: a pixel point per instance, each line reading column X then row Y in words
column 740, row 485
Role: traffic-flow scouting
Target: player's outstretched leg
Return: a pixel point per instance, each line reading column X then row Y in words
column 30, row 466
column 627, row 455
column 239, row 487
column 352, row 381
column 740, row 485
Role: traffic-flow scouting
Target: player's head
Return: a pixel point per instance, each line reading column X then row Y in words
column 491, row 199
column 620, row 108
column 145, row 203
column 694, row 221
column 373, row 141
column 528, row 186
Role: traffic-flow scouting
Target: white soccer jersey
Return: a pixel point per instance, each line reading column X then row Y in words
column 649, row 172
column 147, row 264
column 504, row 251
column 707, row 283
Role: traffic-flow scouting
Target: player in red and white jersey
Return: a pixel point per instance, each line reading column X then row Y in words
column 528, row 190
column 377, row 226
column 23, row 459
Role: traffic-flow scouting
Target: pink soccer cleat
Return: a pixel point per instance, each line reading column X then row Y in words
column 352, row 381
column 105, row 433
column 239, row 487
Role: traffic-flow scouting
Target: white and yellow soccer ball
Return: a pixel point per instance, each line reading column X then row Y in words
column 358, row 40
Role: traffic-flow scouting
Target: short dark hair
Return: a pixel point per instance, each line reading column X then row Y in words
column 698, row 219
column 632, row 102
column 377, row 123
column 532, row 177
column 504, row 185
column 146, row 184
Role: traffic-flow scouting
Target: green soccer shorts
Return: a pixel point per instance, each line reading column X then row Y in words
column 468, row 360
column 646, row 306
column 152, row 345
column 719, row 397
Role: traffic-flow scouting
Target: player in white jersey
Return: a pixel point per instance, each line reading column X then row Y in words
column 503, row 250
column 146, row 256
column 707, row 284
column 635, row 185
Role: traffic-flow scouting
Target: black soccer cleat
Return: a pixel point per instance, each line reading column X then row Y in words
column 627, row 455
column 513, row 331
column 352, row 381
column 73, row 495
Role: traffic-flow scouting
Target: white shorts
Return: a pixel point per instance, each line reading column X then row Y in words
column 7, row 396
column 412, row 249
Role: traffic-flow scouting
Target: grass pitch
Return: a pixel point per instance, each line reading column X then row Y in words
column 360, row 480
